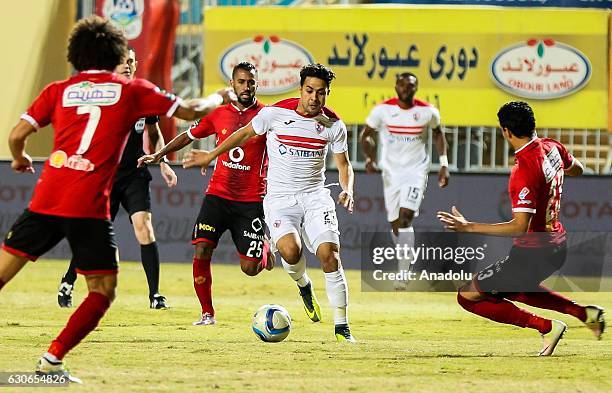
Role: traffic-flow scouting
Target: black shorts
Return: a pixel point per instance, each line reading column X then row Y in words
column 132, row 192
column 92, row 240
column 245, row 221
column 521, row 271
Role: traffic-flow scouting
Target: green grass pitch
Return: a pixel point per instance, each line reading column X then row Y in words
column 408, row 342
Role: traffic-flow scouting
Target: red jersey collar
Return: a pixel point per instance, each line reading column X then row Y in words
column 253, row 105
column 535, row 141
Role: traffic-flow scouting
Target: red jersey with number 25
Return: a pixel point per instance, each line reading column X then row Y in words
column 536, row 183
column 92, row 113
column 240, row 174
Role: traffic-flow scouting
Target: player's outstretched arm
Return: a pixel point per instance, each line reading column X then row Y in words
column 455, row 221
column 347, row 180
column 440, row 141
column 199, row 107
column 203, row 158
column 368, row 145
column 156, row 141
column 22, row 162
column 175, row 144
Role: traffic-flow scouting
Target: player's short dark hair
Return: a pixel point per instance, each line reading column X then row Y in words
column 405, row 75
column 95, row 43
column 317, row 71
column 517, row 116
column 244, row 65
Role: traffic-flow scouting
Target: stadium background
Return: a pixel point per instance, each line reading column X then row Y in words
column 188, row 46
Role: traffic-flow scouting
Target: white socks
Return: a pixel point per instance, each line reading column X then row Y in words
column 405, row 239
column 337, row 293
column 335, row 284
column 297, row 271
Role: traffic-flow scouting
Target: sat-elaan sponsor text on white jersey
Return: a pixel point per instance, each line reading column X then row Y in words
column 401, row 134
column 297, row 146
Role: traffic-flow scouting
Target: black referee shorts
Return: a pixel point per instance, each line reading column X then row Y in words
column 132, row 192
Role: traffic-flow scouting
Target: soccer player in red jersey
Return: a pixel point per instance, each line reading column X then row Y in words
column 233, row 199
column 535, row 189
column 92, row 114
column 131, row 190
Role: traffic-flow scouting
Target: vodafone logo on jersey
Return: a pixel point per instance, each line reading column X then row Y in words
column 540, row 69
column 236, row 155
column 278, row 62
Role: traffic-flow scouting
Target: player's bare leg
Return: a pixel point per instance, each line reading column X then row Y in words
column 504, row 311
column 10, row 265
column 202, row 282
column 84, row 320
column 143, row 229
column 403, row 236
column 252, row 267
column 294, row 262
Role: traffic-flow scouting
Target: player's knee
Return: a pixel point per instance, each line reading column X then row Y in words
column 291, row 253
column 329, row 258
column 406, row 216
column 111, row 294
column 468, row 292
column 203, row 250
column 103, row 284
column 143, row 230
column 250, row 268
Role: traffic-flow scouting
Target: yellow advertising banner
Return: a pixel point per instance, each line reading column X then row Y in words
column 468, row 61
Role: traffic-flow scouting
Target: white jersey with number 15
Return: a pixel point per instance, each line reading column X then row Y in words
column 402, row 134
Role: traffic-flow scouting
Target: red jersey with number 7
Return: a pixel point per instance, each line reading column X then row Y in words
column 240, row 174
column 535, row 186
column 92, row 114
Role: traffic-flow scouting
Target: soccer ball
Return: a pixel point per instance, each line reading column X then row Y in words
column 271, row 323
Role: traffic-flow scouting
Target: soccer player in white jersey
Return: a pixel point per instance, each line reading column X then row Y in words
column 297, row 206
column 402, row 124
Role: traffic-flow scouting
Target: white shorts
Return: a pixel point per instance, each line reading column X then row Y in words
column 406, row 191
column 310, row 215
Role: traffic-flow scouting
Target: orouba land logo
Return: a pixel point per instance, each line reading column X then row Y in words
column 540, row 69
column 278, row 62
column 127, row 14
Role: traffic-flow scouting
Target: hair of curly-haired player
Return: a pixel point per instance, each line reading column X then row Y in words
column 96, row 44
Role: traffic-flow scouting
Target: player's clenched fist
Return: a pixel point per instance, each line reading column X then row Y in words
column 23, row 164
